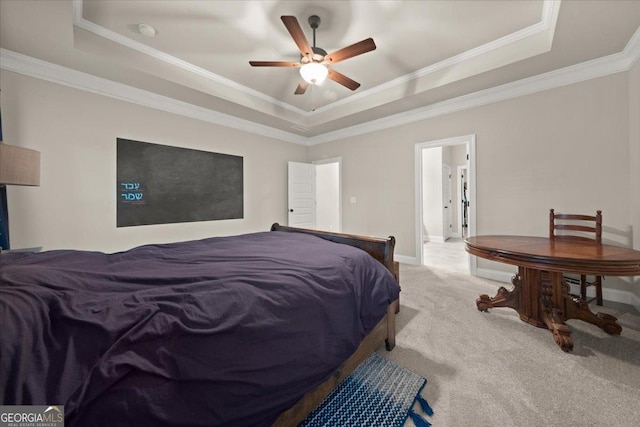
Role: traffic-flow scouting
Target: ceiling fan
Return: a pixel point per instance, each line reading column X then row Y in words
column 314, row 62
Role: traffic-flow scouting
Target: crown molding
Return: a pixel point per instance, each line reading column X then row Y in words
column 600, row 67
column 546, row 24
column 29, row 66
column 549, row 15
column 80, row 22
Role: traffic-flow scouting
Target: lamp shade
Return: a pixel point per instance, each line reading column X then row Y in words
column 314, row 73
column 19, row 166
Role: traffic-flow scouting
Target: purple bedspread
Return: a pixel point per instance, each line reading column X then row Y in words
column 226, row 331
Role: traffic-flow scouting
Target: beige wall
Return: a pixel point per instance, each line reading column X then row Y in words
column 634, row 158
column 564, row 148
column 634, row 149
column 528, row 152
column 532, row 154
column 75, row 131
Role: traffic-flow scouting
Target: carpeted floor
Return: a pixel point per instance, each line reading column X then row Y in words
column 492, row 369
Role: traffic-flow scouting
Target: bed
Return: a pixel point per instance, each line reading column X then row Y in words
column 229, row 331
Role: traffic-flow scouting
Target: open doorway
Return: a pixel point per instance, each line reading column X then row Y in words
column 328, row 195
column 315, row 195
column 445, row 201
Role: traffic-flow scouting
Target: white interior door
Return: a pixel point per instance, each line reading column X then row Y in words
column 446, row 201
column 302, row 195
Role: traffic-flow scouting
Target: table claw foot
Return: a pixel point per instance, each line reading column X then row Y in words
column 609, row 324
column 504, row 298
column 484, row 303
column 579, row 309
column 561, row 332
column 562, row 337
column 564, row 342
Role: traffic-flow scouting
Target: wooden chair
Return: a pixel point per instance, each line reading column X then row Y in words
column 579, row 227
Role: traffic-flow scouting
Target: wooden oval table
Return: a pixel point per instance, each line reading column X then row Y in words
column 540, row 295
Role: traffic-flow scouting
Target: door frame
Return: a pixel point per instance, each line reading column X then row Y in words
column 460, row 170
column 470, row 142
column 447, row 202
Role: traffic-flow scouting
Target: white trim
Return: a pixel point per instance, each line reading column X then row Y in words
column 37, row 68
column 406, row 259
column 549, row 11
column 600, row 67
column 91, row 27
column 435, row 239
column 547, row 23
column 470, row 142
column 497, row 275
column 460, row 219
column 447, row 219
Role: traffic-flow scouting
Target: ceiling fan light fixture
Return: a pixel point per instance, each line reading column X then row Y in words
column 314, row 73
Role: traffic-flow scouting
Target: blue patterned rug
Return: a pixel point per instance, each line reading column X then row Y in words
column 377, row 393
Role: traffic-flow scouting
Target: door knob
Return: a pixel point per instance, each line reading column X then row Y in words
column 290, row 210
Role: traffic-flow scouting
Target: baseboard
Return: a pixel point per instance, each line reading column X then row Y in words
column 497, row 275
column 435, row 239
column 608, row 294
column 406, row 259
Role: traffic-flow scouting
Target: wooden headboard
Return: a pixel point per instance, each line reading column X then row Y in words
column 380, row 249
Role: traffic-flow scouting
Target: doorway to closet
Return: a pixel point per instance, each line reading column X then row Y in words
column 315, row 194
column 445, row 201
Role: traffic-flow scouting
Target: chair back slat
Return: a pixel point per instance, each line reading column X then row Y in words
column 573, row 227
column 576, row 217
column 595, row 229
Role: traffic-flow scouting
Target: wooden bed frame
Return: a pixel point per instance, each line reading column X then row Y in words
column 385, row 330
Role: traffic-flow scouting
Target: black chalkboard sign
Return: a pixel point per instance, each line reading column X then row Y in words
column 159, row 184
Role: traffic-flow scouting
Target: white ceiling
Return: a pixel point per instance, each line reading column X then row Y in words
column 427, row 51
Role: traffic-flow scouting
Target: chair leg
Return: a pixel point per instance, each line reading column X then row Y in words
column 583, row 287
column 598, row 284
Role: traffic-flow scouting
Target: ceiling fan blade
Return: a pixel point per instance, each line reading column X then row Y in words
column 302, row 87
column 343, row 80
column 297, row 34
column 355, row 49
column 274, row 64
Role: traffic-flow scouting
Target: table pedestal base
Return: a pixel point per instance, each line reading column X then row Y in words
column 542, row 299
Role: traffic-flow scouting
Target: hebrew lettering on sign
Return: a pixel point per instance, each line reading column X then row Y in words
column 131, row 185
column 131, row 197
